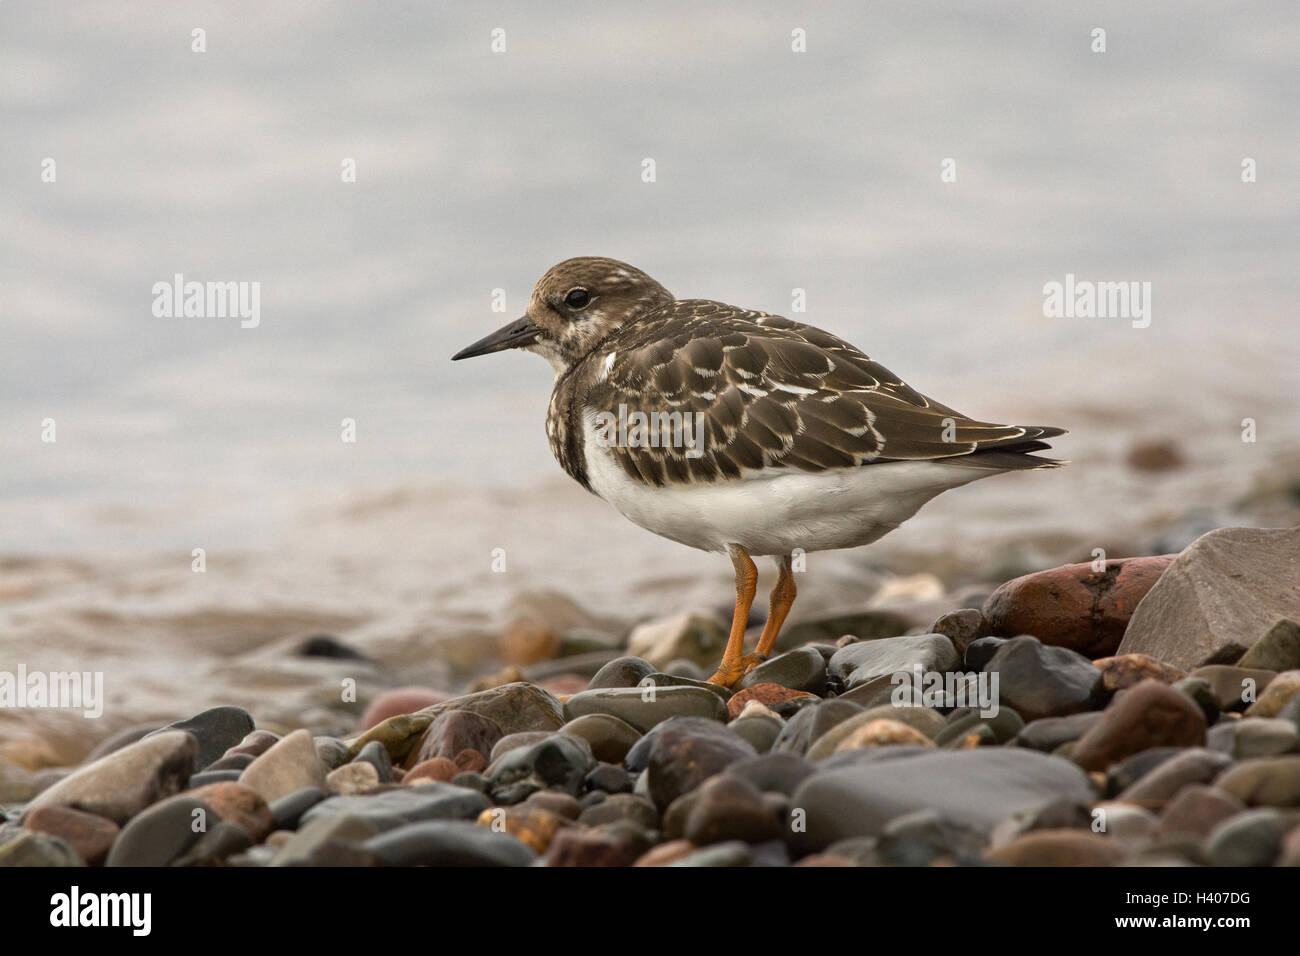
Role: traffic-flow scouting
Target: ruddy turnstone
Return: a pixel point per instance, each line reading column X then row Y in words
column 732, row 430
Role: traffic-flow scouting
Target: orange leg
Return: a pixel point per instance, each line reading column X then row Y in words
column 731, row 668
column 783, row 595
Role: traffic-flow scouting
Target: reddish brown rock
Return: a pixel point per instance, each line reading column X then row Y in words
column 1074, row 606
column 607, row 845
column 237, row 804
column 1148, row 715
column 1196, row 810
column 963, row 628
column 255, row 744
column 666, row 853
column 1059, row 848
column 1122, row 672
column 435, row 768
column 89, row 835
column 470, row 761
column 765, row 694
column 454, row 731
column 825, row 859
column 561, row 804
column 402, row 700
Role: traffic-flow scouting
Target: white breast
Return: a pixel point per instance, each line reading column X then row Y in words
column 777, row 511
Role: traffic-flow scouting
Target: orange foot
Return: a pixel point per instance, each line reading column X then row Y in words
column 730, row 673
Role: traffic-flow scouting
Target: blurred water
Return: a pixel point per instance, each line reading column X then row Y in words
column 476, row 171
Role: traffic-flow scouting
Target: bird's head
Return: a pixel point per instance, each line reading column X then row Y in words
column 574, row 306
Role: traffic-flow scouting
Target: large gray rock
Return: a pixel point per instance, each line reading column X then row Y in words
column 1223, row 593
column 974, row 788
column 126, row 781
column 866, row 660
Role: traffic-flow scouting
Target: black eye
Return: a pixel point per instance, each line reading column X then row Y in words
column 577, row 299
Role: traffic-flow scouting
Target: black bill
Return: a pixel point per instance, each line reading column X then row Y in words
column 518, row 333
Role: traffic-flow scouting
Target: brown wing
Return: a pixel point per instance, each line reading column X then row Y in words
column 769, row 393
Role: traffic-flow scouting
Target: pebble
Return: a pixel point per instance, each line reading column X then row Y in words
column 864, row 661
column 666, row 853
column 231, row 762
column 610, row 778
column 979, row 653
column 759, row 730
column 883, row 733
column 1149, row 715
column 963, row 627
column 1123, row 671
column 622, row 806
column 255, row 743
column 214, row 776
column 28, row 848
column 730, row 808
column 810, row 723
column 610, row 844
column 559, row 762
column 1265, row 781
column 160, row 834
column 1255, row 737
column 771, row 696
column 515, row 707
column 1002, row 726
column 289, row 765
column 1277, row 650
column 561, row 804
column 223, row 840
column 609, row 737
column 1191, row 766
column 288, row 810
column 532, row 825
column 920, row 838
column 302, row 846
column 1281, row 690
column 1201, row 693
column 216, row 729
column 453, row 731
column 374, row 754
column 333, row 753
column 239, row 805
column 1196, row 810
column 448, row 843
column 438, row 768
column 88, row 835
column 773, row 772
column 126, row 781
column 733, row 853
column 621, row 672
column 1038, row 680
column 1048, row 733
column 802, row 669
column 393, row 808
column 979, row 788
column 643, row 708
column 1059, row 848
column 352, row 778
column 1234, row 687
column 1253, row 838
column 1073, row 606
column 685, row 752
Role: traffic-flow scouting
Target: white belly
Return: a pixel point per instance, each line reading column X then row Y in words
column 780, row 511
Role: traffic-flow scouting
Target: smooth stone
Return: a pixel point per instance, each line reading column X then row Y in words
column 1262, row 737
column 230, row 762
column 1195, row 765
column 1075, row 606
column 333, row 753
column 621, row 672
column 699, row 638
column 1277, row 650
column 515, row 707
column 1264, row 781
column 610, row 738
column 1126, row 670
column 1151, row 714
column 773, row 772
column 393, row 808
column 374, row 754
column 29, row 848
column 352, row 778
column 289, row 765
column 239, row 805
column 980, row 652
column 511, row 742
column 998, row 729
column 400, row 736
column 810, row 723
column 730, row 808
column 559, row 762
column 126, row 781
column 398, row 701
column 534, row 826
column 759, row 730
column 643, row 708
column 963, row 627
column 561, row 804
column 329, row 646
column 1124, row 773
column 116, row 741
column 216, row 729
column 288, row 810
column 222, row 841
column 160, row 834
column 1234, row 687
column 454, row 731
column 609, row 778
column 1200, row 692
column 1038, row 680
column 978, row 788
column 686, row 751
column 733, row 853
column 1196, row 810
column 255, row 743
column 313, row 834
column 923, row 719
column 1253, row 838
column 622, row 806
column 1059, row 848
column 803, row 668
column 1125, row 822
column 448, row 843
column 922, row 838
column 1048, row 733
column 859, row 663
column 89, row 836
column 1281, row 690
column 1221, row 594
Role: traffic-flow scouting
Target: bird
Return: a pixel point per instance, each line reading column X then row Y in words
column 740, row 432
